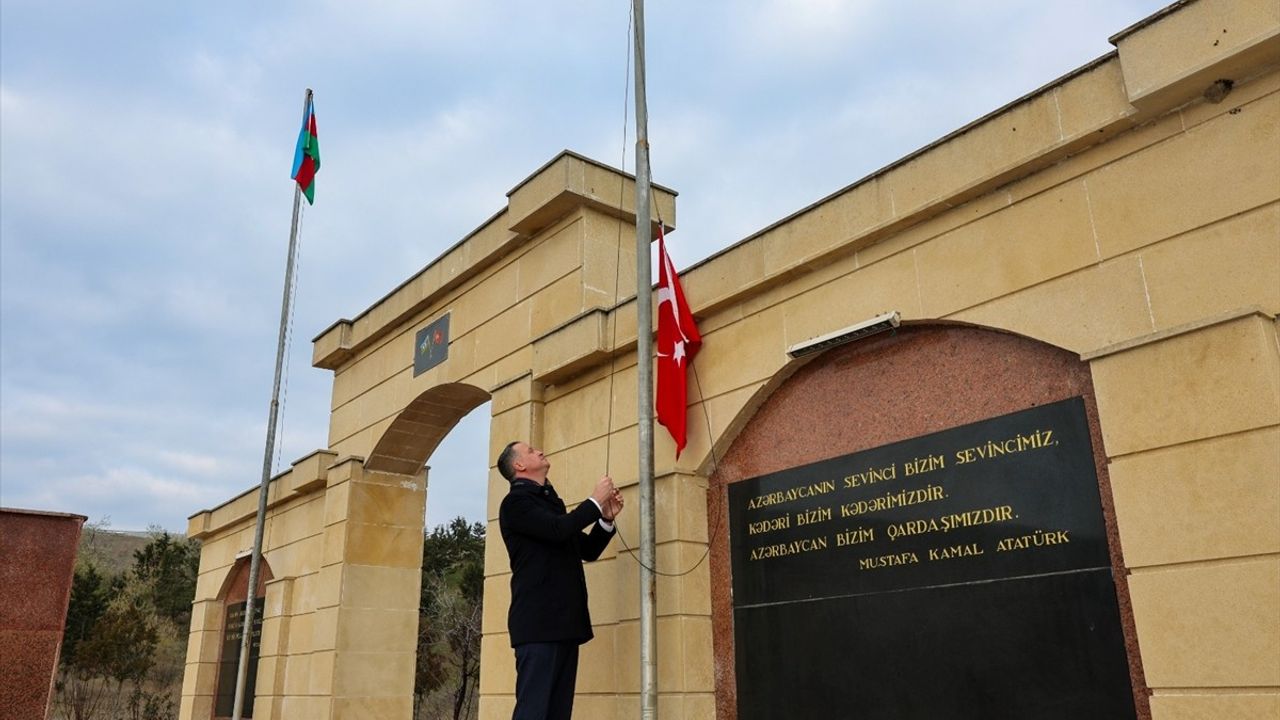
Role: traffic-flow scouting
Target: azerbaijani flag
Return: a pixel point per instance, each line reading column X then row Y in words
column 306, row 159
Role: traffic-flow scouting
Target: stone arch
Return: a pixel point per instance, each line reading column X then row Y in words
column 411, row 438
column 723, row 442
column 232, row 600
column 235, row 587
column 923, row 378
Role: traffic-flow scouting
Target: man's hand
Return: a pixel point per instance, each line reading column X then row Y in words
column 604, row 492
column 610, row 510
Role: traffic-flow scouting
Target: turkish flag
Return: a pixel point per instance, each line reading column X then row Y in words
column 678, row 342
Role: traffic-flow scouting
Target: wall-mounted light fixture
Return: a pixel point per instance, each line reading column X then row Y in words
column 877, row 324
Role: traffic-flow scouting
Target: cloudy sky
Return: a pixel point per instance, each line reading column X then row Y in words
column 144, row 193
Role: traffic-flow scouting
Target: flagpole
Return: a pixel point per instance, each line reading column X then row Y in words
column 255, row 561
column 644, row 355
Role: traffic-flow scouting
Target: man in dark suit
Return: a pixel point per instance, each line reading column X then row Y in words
column 548, row 618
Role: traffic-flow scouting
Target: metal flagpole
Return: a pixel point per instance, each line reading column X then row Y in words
column 644, row 355
column 246, row 638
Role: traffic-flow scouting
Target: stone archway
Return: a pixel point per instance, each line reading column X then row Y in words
column 402, row 452
column 405, row 446
column 920, row 380
column 233, row 600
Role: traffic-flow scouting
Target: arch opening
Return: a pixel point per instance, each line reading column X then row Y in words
column 416, row 432
column 442, row 425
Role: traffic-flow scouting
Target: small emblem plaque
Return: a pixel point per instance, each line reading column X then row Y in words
column 431, row 346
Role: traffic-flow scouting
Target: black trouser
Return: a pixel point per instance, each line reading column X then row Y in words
column 545, row 677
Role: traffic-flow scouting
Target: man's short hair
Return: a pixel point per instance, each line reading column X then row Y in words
column 506, row 460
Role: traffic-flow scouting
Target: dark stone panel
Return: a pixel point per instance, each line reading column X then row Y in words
column 963, row 572
column 229, row 662
column 431, row 346
column 1034, row 647
column 1013, row 495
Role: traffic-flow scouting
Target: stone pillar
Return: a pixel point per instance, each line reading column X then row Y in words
column 364, row 639
column 201, row 674
column 686, row 668
column 274, row 649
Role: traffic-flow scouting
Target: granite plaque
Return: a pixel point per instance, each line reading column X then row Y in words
column 224, row 701
column 959, row 574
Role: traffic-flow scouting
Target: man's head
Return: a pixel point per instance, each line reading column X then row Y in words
column 518, row 459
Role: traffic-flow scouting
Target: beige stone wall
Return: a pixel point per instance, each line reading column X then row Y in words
column 294, row 540
column 340, row 624
column 1115, row 213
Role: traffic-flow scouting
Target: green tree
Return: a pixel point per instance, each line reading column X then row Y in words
column 80, row 693
column 122, row 646
column 448, row 550
column 167, row 568
column 450, row 612
column 89, row 593
column 111, row 661
column 125, row 641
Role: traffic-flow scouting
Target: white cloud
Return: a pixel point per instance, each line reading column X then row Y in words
column 231, row 80
column 151, row 498
column 189, row 463
column 808, row 30
column 27, row 415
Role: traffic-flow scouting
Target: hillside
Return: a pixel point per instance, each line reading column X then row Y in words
column 111, row 551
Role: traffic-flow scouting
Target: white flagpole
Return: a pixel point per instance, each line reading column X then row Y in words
column 246, row 638
column 644, row 354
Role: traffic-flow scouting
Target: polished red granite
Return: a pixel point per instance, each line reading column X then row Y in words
column 37, row 563
column 914, row 381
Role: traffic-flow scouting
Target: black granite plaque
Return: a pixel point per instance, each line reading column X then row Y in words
column 224, row 701
column 960, row 574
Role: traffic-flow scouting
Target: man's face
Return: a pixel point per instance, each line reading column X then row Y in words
column 530, row 459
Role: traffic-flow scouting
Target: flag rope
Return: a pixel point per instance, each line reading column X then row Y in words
column 269, row 520
column 706, row 416
column 617, row 259
column 288, row 338
column 613, row 344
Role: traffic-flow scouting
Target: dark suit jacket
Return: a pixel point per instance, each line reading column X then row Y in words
column 547, row 547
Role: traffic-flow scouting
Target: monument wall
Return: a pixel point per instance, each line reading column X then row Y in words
column 958, row 554
column 37, row 568
column 1122, row 221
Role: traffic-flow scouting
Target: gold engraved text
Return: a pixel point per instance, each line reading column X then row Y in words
column 888, row 501
column 955, row 551
column 884, row 561
column 947, row 523
column 996, row 448
column 796, row 493
column 764, row 526
column 795, row 547
column 871, row 475
column 1039, row 538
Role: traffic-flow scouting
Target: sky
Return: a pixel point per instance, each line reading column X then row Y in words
column 145, row 198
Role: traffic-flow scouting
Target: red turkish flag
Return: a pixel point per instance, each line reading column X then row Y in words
column 678, row 342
